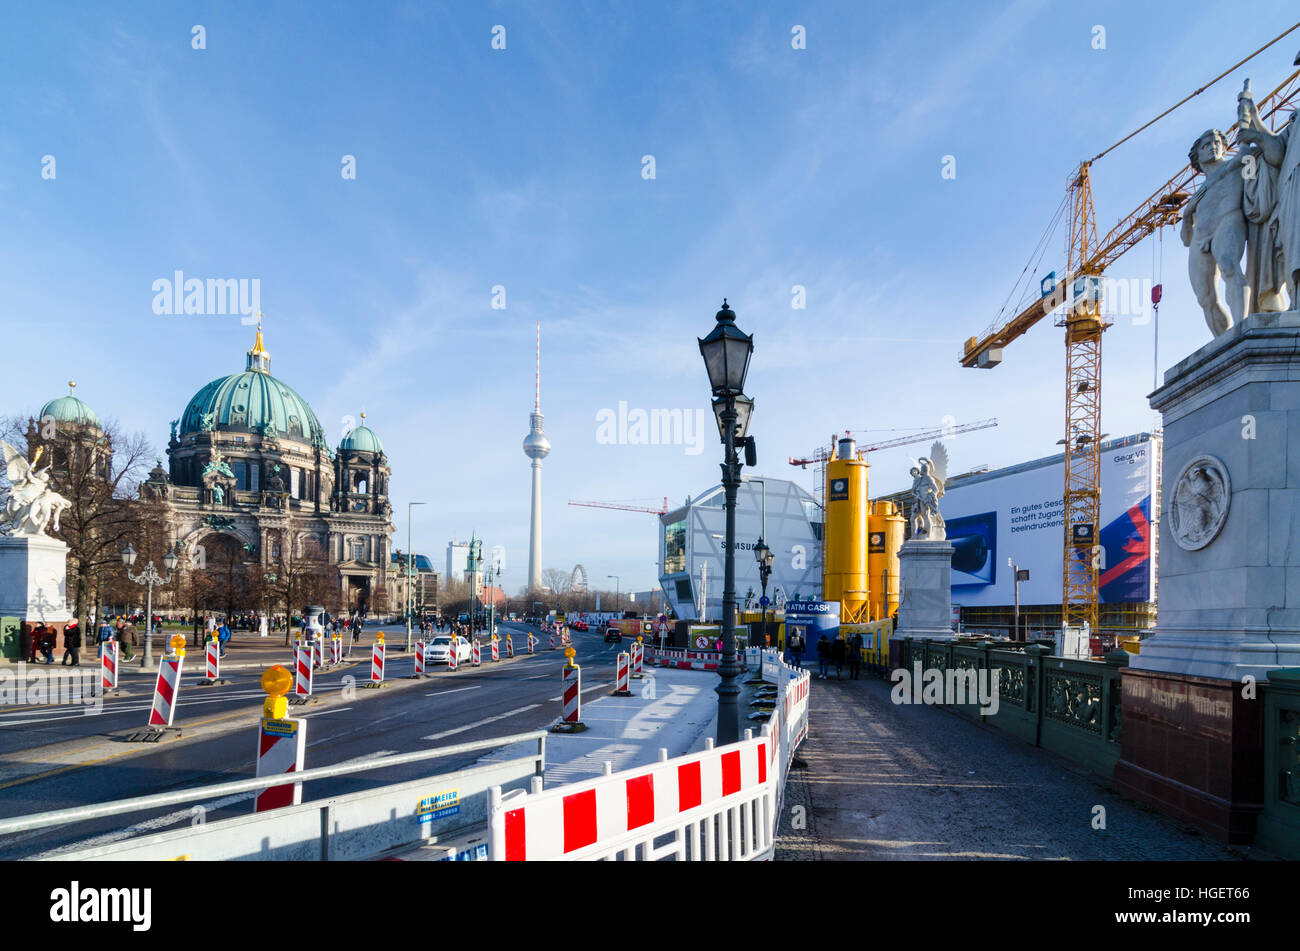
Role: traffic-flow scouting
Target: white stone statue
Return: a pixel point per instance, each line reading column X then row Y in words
column 1214, row 232
column 928, row 478
column 1277, row 157
column 32, row 504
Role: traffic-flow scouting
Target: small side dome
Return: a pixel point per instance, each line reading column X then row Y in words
column 69, row 409
column 361, row 439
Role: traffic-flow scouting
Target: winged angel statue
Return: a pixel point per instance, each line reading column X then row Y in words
column 32, row 504
column 928, row 477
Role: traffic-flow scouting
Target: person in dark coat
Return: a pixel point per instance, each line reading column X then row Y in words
column 855, row 655
column 72, row 645
column 823, row 656
column 837, row 654
column 45, row 638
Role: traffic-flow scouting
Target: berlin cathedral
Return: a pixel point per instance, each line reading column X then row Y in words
column 250, row 472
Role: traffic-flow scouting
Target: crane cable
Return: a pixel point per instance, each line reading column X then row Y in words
column 1194, row 94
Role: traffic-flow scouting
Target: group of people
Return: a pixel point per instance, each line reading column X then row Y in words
column 838, row 652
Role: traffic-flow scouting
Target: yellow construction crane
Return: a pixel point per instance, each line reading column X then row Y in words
column 1079, row 292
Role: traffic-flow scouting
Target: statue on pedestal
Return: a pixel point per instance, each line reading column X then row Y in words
column 32, row 505
column 928, row 478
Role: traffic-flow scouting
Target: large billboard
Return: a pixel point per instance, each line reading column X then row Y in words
column 1016, row 514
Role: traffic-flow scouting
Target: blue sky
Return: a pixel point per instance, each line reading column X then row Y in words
column 522, row 168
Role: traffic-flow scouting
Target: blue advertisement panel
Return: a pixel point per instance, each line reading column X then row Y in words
column 811, row 619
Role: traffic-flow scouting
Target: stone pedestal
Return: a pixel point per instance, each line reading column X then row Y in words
column 1230, row 591
column 34, row 579
column 1229, row 578
column 925, row 571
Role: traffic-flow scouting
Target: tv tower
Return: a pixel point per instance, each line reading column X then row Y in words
column 536, row 448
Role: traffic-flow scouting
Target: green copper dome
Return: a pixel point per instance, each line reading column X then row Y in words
column 69, row 409
column 255, row 402
column 361, row 439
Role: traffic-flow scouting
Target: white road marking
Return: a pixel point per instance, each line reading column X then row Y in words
column 439, row 693
column 322, row 713
column 483, row 722
column 585, row 689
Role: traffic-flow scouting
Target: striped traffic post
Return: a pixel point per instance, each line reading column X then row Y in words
column 377, row 662
column 453, row 652
column 638, row 654
column 419, row 659
column 316, row 651
column 552, row 636
column 281, row 742
column 510, row 646
column 108, row 667
column 496, row 649
column 303, row 673
column 530, row 642
column 336, row 650
column 167, row 688
column 571, row 696
column 620, row 681
column 212, row 663
column 476, row 659
column 297, row 645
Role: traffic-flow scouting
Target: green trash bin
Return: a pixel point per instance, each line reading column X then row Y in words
column 11, row 644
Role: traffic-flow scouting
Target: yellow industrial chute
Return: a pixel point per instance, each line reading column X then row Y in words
column 845, row 567
column 884, row 539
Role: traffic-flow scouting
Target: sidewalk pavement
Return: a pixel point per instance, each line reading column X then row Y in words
column 670, row 709
column 893, row 781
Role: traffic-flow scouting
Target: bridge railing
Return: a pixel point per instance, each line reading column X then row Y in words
column 352, row 826
column 1072, row 707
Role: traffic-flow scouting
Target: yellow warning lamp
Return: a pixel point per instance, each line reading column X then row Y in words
column 276, row 681
column 568, row 653
column 638, row 638
column 379, row 637
column 177, row 643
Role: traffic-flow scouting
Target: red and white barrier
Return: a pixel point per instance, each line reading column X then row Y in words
column 638, row 653
column 552, row 647
column 621, row 679
column 419, row 658
column 496, row 650
column 453, row 653
column 718, row 804
column 700, row 797
column 510, row 646
column 280, row 748
column 377, row 661
column 166, row 689
column 571, row 712
column 530, row 643
column 317, row 653
column 212, row 658
column 302, row 673
column 336, row 650
column 108, row 666
column 475, row 652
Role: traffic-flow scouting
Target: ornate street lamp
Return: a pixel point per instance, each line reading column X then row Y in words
column 726, row 352
column 149, row 577
column 763, row 555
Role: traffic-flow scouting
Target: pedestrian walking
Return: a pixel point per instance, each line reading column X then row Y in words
column 223, row 637
column 837, row 654
column 72, row 645
column 105, row 634
column 855, row 655
column 794, row 647
column 126, row 636
column 823, row 656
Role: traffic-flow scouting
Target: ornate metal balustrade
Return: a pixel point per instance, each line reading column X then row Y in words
column 1071, row 707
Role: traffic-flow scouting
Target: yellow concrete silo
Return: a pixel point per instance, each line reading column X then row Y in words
column 844, row 576
column 885, row 538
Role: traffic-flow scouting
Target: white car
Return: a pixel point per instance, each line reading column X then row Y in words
column 437, row 650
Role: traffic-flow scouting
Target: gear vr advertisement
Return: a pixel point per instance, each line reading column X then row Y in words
column 1017, row 514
